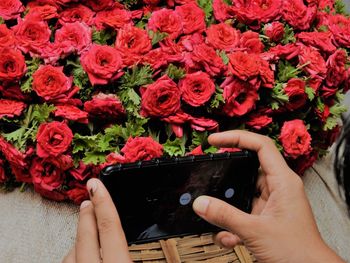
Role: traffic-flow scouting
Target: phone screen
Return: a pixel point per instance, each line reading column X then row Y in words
column 154, row 199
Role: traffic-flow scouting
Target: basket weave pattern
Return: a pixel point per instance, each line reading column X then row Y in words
column 188, row 249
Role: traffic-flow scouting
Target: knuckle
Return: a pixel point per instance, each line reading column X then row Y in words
column 105, row 225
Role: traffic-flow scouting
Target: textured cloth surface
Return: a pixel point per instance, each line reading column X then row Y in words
column 36, row 230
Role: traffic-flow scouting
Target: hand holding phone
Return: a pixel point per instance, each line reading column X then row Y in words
column 154, row 198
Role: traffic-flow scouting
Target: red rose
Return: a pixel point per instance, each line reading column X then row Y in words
column 101, row 63
column 11, row 154
column 240, row 96
column 192, row 17
column 295, row 89
column 298, row 15
column 295, row 139
column 315, row 64
column 156, row 58
column 83, row 171
column 302, row 163
column 167, row 21
column 244, row 66
column 141, row 149
column 223, row 36
column 176, row 122
column 3, row 177
column 105, row 106
column 11, row 108
column 203, row 124
column 205, row 58
column 287, row 52
column 11, row 9
column 7, row 38
column 266, row 74
column 187, row 42
column 250, row 41
column 55, row 195
column 315, row 84
column 46, row 175
column 32, row 34
column 258, row 121
column 319, row 40
column 197, row 88
column 12, row 64
column 12, row 91
column 132, row 41
column 161, row 98
column 72, row 113
column 323, row 115
column 221, row 10
column 73, row 37
column 50, row 82
column 253, row 12
column 46, row 11
column 275, row 31
column 323, row 4
column 99, row 5
column 115, row 18
column 197, row 151
column 336, row 73
column 339, row 25
column 53, row 139
column 78, row 193
column 77, row 13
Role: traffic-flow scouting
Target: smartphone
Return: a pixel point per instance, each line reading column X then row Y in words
column 154, row 198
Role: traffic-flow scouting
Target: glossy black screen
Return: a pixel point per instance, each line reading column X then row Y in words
column 154, row 199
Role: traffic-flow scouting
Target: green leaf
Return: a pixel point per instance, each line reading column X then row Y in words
column 102, row 37
column 207, row 7
column 327, row 9
column 136, row 77
column 2, row 21
column 41, row 112
column 129, row 3
column 289, row 36
column 94, row 158
column 83, row 143
column 218, row 99
column 323, row 28
column 175, row 73
column 175, row 147
column 198, row 138
column 320, row 104
column 279, row 94
column 331, row 123
column 338, row 109
column 340, row 7
column 143, row 21
column 157, row 36
column 286, row 71
column 80, row 79
column 310, row 93
column 211, row 149
column 223, row 56
column 32, row 66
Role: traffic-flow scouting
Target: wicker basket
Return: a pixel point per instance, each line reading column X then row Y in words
column 188, row 249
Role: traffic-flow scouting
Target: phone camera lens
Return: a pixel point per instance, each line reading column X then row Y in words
column 185, row 199
column 229, row 193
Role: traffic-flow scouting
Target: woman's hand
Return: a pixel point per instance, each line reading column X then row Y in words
column 281, row 227
column 100, row 237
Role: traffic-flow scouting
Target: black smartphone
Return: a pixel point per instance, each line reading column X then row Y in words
column 154, row 198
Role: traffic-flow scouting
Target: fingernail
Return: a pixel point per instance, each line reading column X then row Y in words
column 228, row 242
column 200, row 205
column 84, row 204
column 92, row 186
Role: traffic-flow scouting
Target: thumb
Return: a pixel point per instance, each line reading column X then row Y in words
column 223, row 215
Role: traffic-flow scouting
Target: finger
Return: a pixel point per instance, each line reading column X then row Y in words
column 270, row 158
column 221, row 214
column 112, row 238
column 87, row 248
column 226, row 239
column 70, row 258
